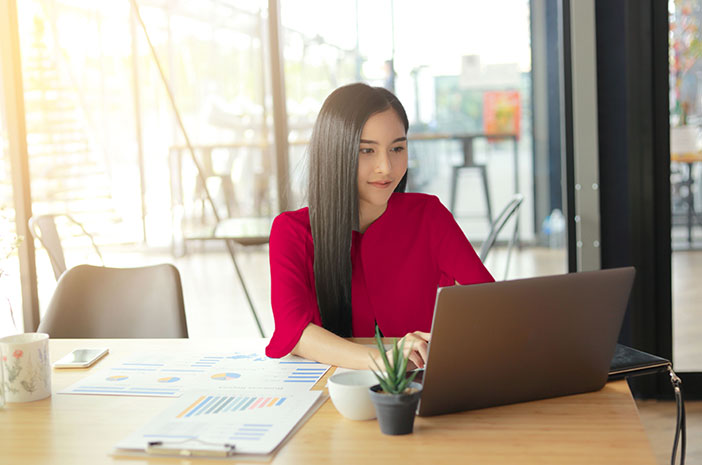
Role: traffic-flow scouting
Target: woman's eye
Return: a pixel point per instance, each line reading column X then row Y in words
column 366, row 150
column 398, row 149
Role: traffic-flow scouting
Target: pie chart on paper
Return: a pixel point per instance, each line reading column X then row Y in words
column 169, row 379
column 116, row 378
column 225, row 376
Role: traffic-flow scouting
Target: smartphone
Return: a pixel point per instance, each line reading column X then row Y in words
column 81, row 358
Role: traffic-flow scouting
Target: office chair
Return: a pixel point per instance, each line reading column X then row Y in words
column 496, row 227
column 43, row 228
column 101, row 302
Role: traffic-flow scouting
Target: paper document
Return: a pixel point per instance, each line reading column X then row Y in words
column 254, row 421
column 170, row 375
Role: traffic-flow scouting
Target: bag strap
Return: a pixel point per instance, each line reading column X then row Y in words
column 680, row 430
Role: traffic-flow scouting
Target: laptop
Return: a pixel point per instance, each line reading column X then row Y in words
column 527, row 339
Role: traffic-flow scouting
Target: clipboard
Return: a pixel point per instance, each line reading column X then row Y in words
column 193, row 440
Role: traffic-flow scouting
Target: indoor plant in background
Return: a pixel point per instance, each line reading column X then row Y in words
column 395, row 397
column 9, row 242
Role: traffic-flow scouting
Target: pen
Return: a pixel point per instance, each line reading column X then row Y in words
column 159, row 448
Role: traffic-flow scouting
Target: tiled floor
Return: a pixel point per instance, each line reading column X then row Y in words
column 687, row 310
column 658, row 418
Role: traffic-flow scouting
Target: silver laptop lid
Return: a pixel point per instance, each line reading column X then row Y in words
column 521, row 340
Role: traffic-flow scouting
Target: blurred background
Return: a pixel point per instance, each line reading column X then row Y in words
column 131, row 147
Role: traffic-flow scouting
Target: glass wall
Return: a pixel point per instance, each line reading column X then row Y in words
column 10, row 295
column 107, row 147
column 104, row 142
column 686, row 171
column 468, row 105
column 93, row 90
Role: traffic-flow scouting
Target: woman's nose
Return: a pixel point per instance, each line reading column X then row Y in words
column 383, row 165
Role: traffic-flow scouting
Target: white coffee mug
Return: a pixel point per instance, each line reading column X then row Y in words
column 26, row 367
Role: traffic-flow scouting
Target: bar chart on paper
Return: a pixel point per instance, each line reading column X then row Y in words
column 220, row 405
column 170, row 375
column 305, row 375
column 255, row 421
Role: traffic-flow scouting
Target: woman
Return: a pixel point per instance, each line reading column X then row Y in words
column 364, row 252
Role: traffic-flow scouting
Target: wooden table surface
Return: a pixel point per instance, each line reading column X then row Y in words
column 602, row 427
column 688, row 157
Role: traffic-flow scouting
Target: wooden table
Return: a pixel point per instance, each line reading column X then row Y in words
column 596, row 428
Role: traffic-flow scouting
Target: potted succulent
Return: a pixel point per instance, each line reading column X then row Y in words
column 395, row 397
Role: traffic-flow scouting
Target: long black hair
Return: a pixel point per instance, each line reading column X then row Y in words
column 333, row 193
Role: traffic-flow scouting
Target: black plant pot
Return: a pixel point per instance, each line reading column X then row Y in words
column 396, row 411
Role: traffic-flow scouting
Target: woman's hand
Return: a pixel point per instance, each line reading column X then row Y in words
column 415, row 346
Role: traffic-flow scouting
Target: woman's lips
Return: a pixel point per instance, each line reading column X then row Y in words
column 381, row 185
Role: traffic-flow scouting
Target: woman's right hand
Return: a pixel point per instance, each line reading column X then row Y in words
column 415, row 346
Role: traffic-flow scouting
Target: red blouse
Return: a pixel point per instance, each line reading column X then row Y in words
column 412, row 249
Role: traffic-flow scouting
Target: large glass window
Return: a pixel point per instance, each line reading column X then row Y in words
column 463, row 73
column 104, row 142
column 11, row 318
column 106, row 145
column 686, row 173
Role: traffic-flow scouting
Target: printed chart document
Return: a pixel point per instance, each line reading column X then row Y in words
column 254, row 421
column 170, row 375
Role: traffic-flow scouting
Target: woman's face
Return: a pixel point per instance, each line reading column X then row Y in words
column 382, row 158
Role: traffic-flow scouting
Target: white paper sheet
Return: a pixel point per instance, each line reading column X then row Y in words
column 255, row 421
column 170, row 375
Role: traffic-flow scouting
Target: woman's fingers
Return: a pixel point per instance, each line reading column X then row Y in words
column 416, row 359
column 418, row 343
column 422, row 335
column 415, row 349
column 409, row 351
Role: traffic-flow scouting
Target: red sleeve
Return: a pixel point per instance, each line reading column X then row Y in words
column 457, row 259
column 293, row 297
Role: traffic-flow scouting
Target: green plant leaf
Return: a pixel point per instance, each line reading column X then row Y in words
column 406, row 382
column 402, row 386
column 380, row 370
column 403, row 368
column 378, row 340
column 382, row 380
column 392, row 369
column 381, row 348
column 393, row 379
column 397, row 354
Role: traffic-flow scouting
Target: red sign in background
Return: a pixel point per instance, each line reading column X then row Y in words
column 501, row 112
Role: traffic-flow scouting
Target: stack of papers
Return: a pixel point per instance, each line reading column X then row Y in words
column 255, row 422
column 240, row 398
column 170, row 375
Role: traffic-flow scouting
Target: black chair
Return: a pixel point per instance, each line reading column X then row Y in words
column 511, row 210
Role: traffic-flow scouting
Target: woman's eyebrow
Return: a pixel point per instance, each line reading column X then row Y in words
column 399, row 139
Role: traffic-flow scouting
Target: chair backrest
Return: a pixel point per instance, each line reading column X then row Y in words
column 43, row 228
column 101, row 302
column 511, row 210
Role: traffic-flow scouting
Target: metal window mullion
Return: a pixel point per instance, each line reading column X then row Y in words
column 280, row 122
column 585, row 135
column 13, row 100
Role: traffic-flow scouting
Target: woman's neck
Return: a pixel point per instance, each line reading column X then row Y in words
column 368, row 213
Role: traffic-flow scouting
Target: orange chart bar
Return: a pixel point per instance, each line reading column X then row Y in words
column 192, row 406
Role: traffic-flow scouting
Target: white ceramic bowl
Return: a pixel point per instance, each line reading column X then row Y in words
column 350, row 394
